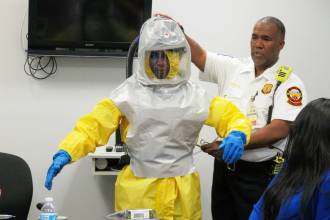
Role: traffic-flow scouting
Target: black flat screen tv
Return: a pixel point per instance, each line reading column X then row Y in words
column 85, row 27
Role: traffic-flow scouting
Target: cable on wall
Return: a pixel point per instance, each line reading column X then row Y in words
column 40, row 67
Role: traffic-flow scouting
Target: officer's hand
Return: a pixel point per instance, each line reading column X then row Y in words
column 60, row 159
column 233, row 147
column 212, row 149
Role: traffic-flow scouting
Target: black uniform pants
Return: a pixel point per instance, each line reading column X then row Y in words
column 234, row 192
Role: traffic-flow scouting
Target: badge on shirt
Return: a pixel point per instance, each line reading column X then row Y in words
column 252, row 112
column 294, row 95
column 267, row 88
column 252, row 115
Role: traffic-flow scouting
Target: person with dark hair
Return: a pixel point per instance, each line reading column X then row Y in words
column 271, row 96
column 302, row 189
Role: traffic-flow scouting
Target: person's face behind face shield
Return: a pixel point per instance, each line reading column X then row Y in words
column 162, row 64
column 159, row 64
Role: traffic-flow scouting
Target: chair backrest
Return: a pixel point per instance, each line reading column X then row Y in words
column 16, row 186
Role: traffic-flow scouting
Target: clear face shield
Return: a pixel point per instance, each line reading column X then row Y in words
column 163, row 64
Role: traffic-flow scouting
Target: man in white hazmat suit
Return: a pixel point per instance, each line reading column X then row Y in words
column 161, row 113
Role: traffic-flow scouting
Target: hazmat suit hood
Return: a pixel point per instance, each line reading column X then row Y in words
column 162, row 34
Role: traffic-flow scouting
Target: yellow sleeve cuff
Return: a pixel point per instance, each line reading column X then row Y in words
column 225, row 117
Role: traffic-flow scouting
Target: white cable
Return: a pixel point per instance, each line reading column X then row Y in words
column 21, row 36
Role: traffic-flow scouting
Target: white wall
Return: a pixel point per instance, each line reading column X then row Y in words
column 36, row 115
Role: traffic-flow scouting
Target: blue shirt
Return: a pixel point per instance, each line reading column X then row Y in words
column 291, row 208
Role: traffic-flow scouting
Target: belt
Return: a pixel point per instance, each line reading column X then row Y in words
column 247, row 166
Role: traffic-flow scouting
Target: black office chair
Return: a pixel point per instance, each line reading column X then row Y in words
column 16, row 186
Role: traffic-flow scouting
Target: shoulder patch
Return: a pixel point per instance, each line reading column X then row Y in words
column 294, row 95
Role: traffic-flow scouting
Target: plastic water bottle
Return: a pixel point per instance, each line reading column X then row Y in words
column 48, row 211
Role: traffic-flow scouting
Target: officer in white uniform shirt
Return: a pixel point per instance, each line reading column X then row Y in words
column 253, row 84
column 253, row 95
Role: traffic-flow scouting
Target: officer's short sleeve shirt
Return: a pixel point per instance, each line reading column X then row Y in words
column 253, row 95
